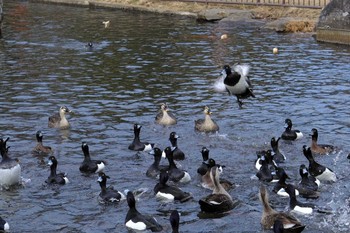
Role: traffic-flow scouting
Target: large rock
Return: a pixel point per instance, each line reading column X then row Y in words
column 334, row 22
column 213, row 15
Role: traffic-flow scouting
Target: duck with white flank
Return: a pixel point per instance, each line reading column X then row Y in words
column 137, row 221
column 278, row 155
column 281, row 185
column 289, row 133
column 164, row 116
column 220, row 200
column 54, row 177
column 308, row 185
column 175, row 174
column 269, row 215
column 322, row 149
column 295, row 205
column 264, row 174
column 169, row 193
column 206, row 124
column 268, row 156
column 175, row 221
column 10, row 169
column 4, row 226
column 238, row 83
column 108, row 195
column 136, row 144
column 88, row 165
column 177, row 152
column 317, row 170
column 40, row 149
column 59, row 119
column 206, row 180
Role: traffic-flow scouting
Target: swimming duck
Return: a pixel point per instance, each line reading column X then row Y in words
column 177, row 152
column 88, row 165
column 175, row 221
column 238, row 83
column 269, row 157
column 4, row 226
column 137, row 145
column 175, row 174
column 307, row 183
column 289, row 133
column 164, row 117
column 322, row 149
column 206, row 180
column 40, row 149
column 264, row 173
column 59, row 119
column 55, row 178
column 278, row 156
column 108, row 194
column 154, row 170
column 203, row 168
column 280, row 186
column 137, row 221
column 269, row 215
column 219, row 200
column 10, row 169
column 170, row 193
column 317, row 170
column 206, row 125
column 295, row 205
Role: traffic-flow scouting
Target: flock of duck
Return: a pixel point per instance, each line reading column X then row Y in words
column 268, row 165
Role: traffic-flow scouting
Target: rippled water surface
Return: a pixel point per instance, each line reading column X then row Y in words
column 138, row 62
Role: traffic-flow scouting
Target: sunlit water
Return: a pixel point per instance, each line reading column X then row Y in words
column 136, row 63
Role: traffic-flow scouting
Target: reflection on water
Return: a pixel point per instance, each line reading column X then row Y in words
column 138, row 62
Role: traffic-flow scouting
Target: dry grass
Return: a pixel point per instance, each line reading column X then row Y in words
column 300, row 26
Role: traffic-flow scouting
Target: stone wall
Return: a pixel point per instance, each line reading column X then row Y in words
column 334, row 23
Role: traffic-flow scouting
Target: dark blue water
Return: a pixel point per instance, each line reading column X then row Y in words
column 138, row 62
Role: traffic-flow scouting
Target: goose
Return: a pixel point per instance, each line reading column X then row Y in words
column 59, row 119
column 137, row 145
column 164, row 116
column 170, row 193
column 238, row 83
column 10, row 169
column 219, row 201
column 322, row 149
column 289, row 133
column 40, row 149
column 137, row 221
column 88, row 165
column 206, row 124
column 54, row 177
column 269, row 215
column 108, row 195
column 317, row 170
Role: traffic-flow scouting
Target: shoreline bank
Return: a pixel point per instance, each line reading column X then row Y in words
column 279, row 19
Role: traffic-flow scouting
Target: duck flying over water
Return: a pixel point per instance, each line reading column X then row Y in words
column 238, row 83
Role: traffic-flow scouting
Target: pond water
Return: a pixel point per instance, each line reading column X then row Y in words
column 138, row 62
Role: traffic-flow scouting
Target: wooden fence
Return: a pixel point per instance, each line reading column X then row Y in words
column 288, row 3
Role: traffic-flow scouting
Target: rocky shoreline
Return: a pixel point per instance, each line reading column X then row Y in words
column 208, row 14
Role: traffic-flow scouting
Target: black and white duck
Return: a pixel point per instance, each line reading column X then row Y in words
column 136, row 144
column 108, row 194
column 175, row 174
column 88, row 165
column 10, row 169
column 177, row 152
column 289, row 133
column 54, row 177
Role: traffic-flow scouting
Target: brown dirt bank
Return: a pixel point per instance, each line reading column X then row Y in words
column 299, row 19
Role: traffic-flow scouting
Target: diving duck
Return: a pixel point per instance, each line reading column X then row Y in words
column 54, row 177
column 59, row 119
column 154, row 170
column 4, row 226
column 137, row 221
column 278, row 156
column 108, row 195
column 40, row 149
column 308, row 185
column 206, row 124
column 177, row 152
column 322, row 149
column 88, row 165
column 203, row 168
column 137, row 145
column 174, row 221
column 10, row 169
column 164, row 116
column 289, row 133
column 295, row 205
column 175, row 174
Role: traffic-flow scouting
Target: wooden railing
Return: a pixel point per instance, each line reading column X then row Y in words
column 287, row 3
